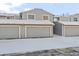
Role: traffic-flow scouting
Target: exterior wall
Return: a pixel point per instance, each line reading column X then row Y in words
column 64, row 18
column 22, row 31
column 71, row 30
column 3, row 17
column 69, row 18
column 16, row 16
column 6, row 17
column 10, row 17
column 39, row 14
column 74, row 16
column 58, row 28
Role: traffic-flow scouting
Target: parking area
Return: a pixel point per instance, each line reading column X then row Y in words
column 34, row 44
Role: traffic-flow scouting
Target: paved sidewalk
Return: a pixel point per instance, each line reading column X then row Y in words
column 29, row 45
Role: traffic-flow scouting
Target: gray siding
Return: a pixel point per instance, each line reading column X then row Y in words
column 65, row 18
column 74, row 16
column 69, row 18
column 58, row 28
column 17, row 16
column 39, row 14
column 22, row 31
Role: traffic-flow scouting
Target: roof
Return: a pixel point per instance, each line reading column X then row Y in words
column 74, row 14
column 56, row 16
column 37, row 9
column 10, row 21
column 7, row 14
column 68, row 23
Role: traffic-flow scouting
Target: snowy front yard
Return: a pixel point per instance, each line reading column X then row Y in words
column 35, row 44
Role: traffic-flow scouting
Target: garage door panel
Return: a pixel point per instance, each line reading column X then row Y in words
column 9, row 32
column 38, row 32
column 72, row 31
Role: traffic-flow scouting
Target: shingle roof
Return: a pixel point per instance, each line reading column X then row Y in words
column 7, row 14
column 10, row 21
column 38, row 9
column 68, row 23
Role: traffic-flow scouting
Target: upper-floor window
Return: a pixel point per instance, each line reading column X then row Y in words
column 45, row 17
column 8, row 17
column 31, row 16
column 75, row 19
column 58, row 18
column 21, row 15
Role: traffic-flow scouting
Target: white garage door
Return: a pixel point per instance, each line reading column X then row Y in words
column 38, row 32
column 71, row 30
column 9, row 32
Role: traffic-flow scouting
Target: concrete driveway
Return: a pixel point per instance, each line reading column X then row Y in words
column 34, row 44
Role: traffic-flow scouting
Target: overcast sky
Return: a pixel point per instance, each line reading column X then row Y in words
column 55, row 8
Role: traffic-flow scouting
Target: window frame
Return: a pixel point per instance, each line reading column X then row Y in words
column 31, row 14
column 76, row 19
column 45, row 15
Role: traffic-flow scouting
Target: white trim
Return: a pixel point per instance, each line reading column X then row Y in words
column 51, row 31
column 38, row 26
column 46, row 15
column 63, row 30
column 8, row 22
column 25, row 32
column 69, row 23
column 31, row 14
column 19, row 32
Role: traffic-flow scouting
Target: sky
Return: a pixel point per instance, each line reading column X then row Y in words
column 54, row 8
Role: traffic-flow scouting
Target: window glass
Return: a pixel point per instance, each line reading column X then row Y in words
column 75, row 19
column 30, row 16
column 8, row 17
column 45, row 17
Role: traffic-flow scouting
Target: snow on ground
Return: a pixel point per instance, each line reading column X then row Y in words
column 34, row 44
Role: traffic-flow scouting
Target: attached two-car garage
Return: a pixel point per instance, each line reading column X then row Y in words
column 68, row 29
column 9, row 31
column 39, row 31
column 71, row 30
column 22, row 29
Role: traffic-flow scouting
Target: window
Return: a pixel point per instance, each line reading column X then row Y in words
column 8, row 17
column 75, row 19
column 58, row 18
column 21, row 15
column 31, row 16
column 45, row 17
